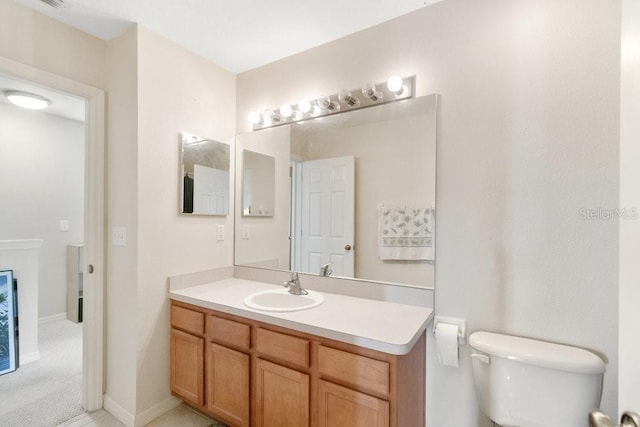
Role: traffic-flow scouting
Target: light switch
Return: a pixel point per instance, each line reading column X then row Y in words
column 64, row 225
column 220, row 233
column 245, row 232
column 119, row 236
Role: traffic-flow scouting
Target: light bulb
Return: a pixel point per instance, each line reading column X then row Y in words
column 298, row 115
column 370, row 91
column 267, row 118
column 254, row 118
column 286, row 111
column 333, row 107
column 324, row 102
column 346, row 98
column 394, row 84
column 304, row 106
column 315, row 111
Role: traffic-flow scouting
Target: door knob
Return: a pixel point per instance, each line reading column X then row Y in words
column 347, row 248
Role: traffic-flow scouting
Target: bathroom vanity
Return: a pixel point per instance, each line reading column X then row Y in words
column 348, row 362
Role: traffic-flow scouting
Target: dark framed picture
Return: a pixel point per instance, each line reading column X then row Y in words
column 8, row 323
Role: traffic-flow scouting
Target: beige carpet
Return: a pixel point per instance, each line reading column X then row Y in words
column 46, row 392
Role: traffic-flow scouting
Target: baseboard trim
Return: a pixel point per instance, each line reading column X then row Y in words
column 29, row 357
column 121, row 414
column 157, row 410
column 52, row 318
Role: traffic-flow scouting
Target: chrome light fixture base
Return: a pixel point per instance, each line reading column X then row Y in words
column 395, row 89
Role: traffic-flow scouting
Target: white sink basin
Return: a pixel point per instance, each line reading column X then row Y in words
column 282, row 300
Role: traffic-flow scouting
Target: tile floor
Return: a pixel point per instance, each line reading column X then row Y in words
column 182, row 416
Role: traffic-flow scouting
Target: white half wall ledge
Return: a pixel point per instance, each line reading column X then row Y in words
column 22, row 257
column 21, row 244
column 29, row 357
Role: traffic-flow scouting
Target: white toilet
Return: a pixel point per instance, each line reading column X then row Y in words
column 523, row 382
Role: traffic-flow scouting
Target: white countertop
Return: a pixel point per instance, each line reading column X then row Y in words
column 378, row 325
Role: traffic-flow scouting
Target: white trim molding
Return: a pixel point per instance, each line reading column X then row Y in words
column 93, row 328
column 22, row 244
column 53, row 318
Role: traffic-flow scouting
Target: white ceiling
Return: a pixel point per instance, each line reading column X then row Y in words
column 238, row 35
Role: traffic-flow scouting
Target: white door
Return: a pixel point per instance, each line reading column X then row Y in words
column 210, row 191
column 327, row 229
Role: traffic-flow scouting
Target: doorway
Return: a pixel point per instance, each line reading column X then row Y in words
column 322, row 217
column 94, row 254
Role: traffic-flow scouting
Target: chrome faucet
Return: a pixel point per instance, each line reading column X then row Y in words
column 293, row 284
column 325, row 271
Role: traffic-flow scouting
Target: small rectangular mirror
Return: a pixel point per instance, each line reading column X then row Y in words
column 258, row 184
column 204, row 176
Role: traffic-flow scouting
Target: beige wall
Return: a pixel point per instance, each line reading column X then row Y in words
column 31, row 38
column 156, row 91
column 528, row 136
column 178, row 92
column 122, row 293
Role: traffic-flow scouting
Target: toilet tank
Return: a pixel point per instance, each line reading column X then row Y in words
column 529, row 383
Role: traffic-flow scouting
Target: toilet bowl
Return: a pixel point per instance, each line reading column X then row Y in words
column 522, row 382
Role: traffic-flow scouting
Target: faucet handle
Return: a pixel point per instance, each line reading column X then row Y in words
column 294, row 276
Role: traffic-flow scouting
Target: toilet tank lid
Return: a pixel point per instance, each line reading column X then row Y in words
column 539, row 353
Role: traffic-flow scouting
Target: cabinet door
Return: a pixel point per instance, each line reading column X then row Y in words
column 187, row 366
column 282, row 396
column 228, row 384
column 342, row 407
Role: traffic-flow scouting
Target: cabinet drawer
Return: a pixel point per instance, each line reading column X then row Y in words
column 229, row 332
column 283, row 347
column 360, row 372
column 187, row 320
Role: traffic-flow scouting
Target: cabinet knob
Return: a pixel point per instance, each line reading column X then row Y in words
column 347, row 248
column 90, row 268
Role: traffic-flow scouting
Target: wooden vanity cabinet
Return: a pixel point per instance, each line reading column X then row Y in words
column 281, row 396
column 187, row 355
column 227, row 384
column 254, row 374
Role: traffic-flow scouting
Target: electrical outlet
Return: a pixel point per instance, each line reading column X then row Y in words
column 119, row 236
column 245, row 232
column 220, row 233
column 64, row 225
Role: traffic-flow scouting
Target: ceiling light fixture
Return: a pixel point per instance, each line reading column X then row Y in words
column 395, row 89
column 27, row 100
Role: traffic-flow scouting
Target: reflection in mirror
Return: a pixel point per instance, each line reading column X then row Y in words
column 258, row 183
column 354, row 195
column 204, row 177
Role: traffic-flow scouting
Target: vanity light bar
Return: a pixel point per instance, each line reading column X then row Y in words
column 396, row 88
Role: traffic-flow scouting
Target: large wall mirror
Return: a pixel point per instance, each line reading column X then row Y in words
column 204, row 177
column 353, row 194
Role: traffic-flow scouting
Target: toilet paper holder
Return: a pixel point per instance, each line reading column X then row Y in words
column 461, row 323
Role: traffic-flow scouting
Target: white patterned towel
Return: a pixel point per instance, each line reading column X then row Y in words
column 405, row 233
